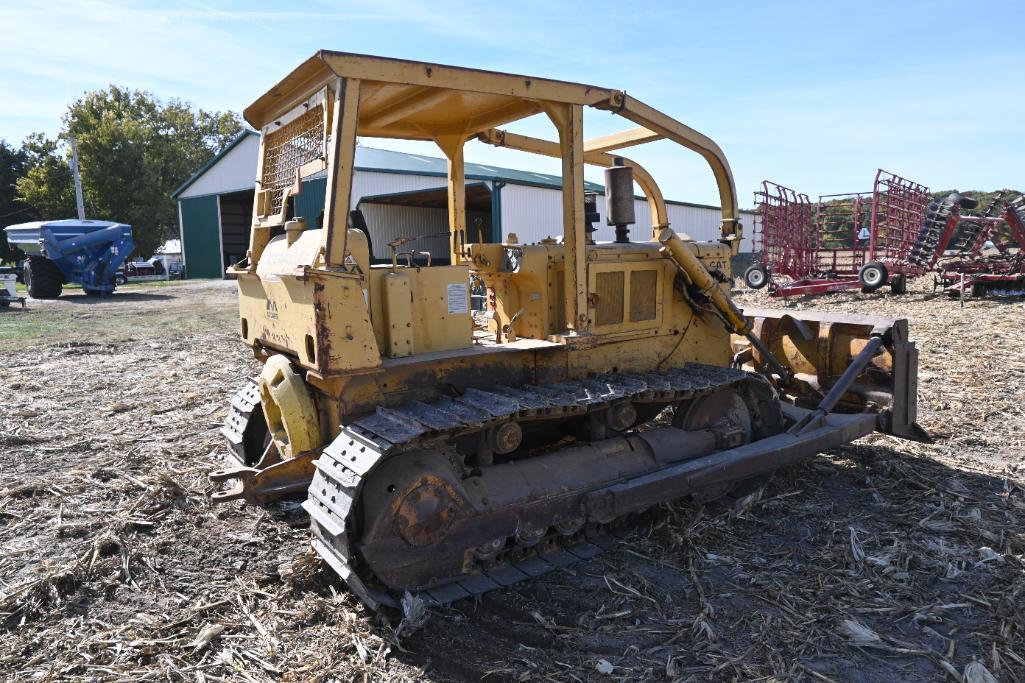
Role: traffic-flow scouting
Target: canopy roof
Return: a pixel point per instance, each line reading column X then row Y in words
column 419, row 101
column 396, row 98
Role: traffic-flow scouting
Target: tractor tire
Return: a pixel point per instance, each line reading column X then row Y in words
column 756, row 277
column 899, row 284
column 43, row 278
column 872, row 276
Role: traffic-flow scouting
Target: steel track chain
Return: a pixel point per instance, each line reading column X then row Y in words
column 243, row 403
column 333, row 499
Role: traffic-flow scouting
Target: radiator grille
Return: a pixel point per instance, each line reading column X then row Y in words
column 642, row 295
column 610, row 298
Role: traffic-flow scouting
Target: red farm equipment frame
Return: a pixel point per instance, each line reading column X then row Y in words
column 1000, row 274
column 846, row 241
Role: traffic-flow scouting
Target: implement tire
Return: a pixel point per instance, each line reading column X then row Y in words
column 43, row 278
column 872, row 276
column 756, row 277
column 899, row 284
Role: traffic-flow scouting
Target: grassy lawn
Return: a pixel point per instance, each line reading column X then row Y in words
column 144, row 310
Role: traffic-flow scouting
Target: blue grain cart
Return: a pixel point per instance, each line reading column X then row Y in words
column 85, row 252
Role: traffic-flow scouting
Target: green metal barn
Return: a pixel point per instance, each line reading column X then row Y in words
column 401, row 195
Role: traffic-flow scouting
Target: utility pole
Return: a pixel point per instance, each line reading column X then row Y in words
column 79, row 202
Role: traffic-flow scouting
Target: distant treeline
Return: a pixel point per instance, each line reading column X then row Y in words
column 134, row 151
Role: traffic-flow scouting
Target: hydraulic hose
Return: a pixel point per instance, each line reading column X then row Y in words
column 732, row 316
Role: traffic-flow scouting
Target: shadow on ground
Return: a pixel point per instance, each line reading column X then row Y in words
column 866, row 565
column 116, row 298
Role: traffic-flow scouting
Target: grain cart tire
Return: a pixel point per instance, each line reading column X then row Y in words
column 872, row 276
column 43, row 278
column 899, row 284
column 756, row 277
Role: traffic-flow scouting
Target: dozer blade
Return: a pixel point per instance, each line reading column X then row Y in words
column 817, row 347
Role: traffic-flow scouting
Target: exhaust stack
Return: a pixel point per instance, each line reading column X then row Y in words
column 619, row 199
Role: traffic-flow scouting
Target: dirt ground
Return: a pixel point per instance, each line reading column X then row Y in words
column 885, row 560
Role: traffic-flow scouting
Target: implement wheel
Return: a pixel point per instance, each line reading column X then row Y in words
column 756, row 277
column 43, row 278
column 899, row 284
column 872, row 276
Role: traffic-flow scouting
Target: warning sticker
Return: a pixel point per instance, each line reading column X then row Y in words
column 458, row 301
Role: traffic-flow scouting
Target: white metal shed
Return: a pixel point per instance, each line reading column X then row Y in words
column 400, row 194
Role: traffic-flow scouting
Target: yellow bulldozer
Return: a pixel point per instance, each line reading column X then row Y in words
column 446, row 453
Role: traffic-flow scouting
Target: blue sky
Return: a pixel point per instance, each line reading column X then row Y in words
column 813, row 95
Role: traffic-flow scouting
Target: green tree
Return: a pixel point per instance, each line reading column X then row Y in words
column 46, row 185
column 13, row 163
column 134, row 150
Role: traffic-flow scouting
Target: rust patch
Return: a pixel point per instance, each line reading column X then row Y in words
column 322, row 329
column 424, row 515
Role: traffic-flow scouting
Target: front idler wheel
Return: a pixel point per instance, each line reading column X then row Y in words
column 288, row 408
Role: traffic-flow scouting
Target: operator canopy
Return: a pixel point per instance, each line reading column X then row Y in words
column 449, row 105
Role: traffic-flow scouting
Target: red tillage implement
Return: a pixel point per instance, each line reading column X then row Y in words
column 999, row 274
column 858, row 240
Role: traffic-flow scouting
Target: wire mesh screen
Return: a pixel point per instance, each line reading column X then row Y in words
column 285, row 150
column 843, row 223
column 898, row 208
column 786, row 236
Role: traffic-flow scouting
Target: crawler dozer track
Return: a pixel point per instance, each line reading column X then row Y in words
column 394, row 509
